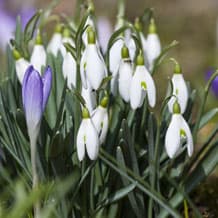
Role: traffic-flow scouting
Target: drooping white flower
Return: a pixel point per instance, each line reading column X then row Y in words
column 125, row 75
column 92, row 64
column 90, row 23
column 180, row 90
column 21, row 65
column 153, row 45
column 89, row 96
column 177, row 130
column 100, row 119
column 55, row 42
column 114, row 63
column 87, row 138
column 69, row 70
column 38, row 56
column 142, row 83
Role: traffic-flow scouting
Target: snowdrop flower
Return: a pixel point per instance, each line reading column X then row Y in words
column 153, row 46
column 92, row 67
column 100, row 119
column 89, row 23
column 55, row 42
column 38, row 57
column 125, row 75
column 66, row 38
column 35, row 93
column 89, row 96
column 180, row 90
column 142, row 83
column 177, row 130
column 21, row 65
column 87, row 138
column 114, row 63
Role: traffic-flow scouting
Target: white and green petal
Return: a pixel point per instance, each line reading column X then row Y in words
column 83, row 66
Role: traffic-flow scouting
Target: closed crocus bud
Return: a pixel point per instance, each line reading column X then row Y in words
column 180, row 90
column 125, row 75
column 21, row 65
column 87, row 138
column 100, row 119
column 114, row 63
column 177, row 130
column 55, row 42
column 35, row 93
column 93, row 66
column 153, row 46
column 38, row 57
column 89, row 96
column 142, row 83
column 66, row 38
column 69, row 70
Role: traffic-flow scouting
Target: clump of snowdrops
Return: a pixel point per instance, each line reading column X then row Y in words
column 79, row 134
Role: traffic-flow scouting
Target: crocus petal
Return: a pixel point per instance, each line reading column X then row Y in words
column 32, row 91
column 153, row 48
column 124, row 81
column 69, row 70
column 100, row 121
column 137, row 94
column 190, row 146
column 172, row 138
column 92, row 140
column 81, row 140
column 38, row 57
column 95, row 69
column 21, row 66
column 180, row 90
column 47, row 83
column 55, row 44
column 151, row 89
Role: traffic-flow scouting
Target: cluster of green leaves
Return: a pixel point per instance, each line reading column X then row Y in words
column 132, row 177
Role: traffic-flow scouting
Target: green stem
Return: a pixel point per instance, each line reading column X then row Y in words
column 35, row 177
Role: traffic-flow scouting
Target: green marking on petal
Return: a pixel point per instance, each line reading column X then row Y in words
column 84, row 65
column 143, row 85
column 176, row 108
column 182, row 133
column 102, row 124
column 84, row 139
column 177, row 91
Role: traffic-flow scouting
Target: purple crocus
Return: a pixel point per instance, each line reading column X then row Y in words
column 35, row 93
column 214, row 85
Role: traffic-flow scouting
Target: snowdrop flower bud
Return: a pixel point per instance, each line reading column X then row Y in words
column 114, row 63
column 38, row 57
column 21, row 65
column 100, row 119
column 35, row 93
column 177, row 130
column 180, row 90
column 55, row 43
column 153, row 44
column 89, row 96
column 125, row 75
column 92, row 64
column 142, row 83
column 87, row 138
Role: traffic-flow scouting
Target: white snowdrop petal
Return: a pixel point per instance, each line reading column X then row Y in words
column 69, row 70
column 55, row 43
column 114, row 84
column 104, row 128
column 151, row 89
column 21, row 66
column 92, row 143
column 62, row 47
column 190, row 146
column 81, row 140
column 83, row 67
column 38, row 57
column 124, row 81
column 132, row 48
column 172, row 138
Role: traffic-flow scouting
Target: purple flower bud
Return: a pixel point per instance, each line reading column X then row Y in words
column 35, row 93
column 214, row 85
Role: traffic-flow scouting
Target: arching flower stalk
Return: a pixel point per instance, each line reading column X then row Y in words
column 177, row 130
column 180, row 90
column 38, row 57
column 125, row 74
column 87, row 138
column 100, row 119
column 142, row 84
column 35, row 93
